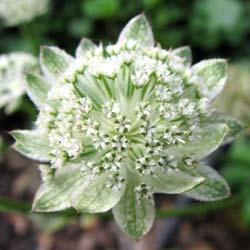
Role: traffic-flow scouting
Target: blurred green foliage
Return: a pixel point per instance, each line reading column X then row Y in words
column 219, row 21
column 235, row 99
column 99, row 9
column 236, row 170
column 211, row 27
column 1, row 147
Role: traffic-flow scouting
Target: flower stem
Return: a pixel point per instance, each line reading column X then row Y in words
column 9, row 206
column 28, row 33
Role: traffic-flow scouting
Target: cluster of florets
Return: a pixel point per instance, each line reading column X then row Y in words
column 15, row 12
column 12, row 83
column 138, row 103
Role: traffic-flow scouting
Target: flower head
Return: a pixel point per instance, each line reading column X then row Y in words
column 12, row 83
column 15, row 12
column 122, row 122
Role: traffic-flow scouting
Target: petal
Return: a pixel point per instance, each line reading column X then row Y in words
column 37, row 89
column 138, row 30
column 54, row 195
column 135, row 218
column 234, row 125
column 185, row 53
column 210, row 138
column 213, row 188
column 97, row 196
column 172, row 181
column 212, row 74
column 30, row 144
column 54, row 61
column 85, row 46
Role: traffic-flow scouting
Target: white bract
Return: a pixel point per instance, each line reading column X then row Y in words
column 15, row 12
column 12, row 82
column 120, row 123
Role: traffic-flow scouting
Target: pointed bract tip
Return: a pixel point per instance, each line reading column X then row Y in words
column 139, row 30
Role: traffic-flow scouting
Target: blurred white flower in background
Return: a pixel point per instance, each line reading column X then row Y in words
column 12, row 84
column 15, row 12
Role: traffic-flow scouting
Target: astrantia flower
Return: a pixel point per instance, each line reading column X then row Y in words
column 15, row 12
column 120, row 123
column 12, row 82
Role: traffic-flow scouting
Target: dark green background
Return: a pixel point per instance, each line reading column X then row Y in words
column 213, row 28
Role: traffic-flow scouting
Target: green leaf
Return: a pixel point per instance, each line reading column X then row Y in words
column 97, row 196
column 138, row 30
column 135, row 218
column 213, row 188
column 54, row 195
column 85, row 46
column 172, row 181
column 185, row 53
column 30, row 144
column 8, row 205
column 239, row 151
column 234, row 125
column 236, row 174
column 49, row 225
column 54, row 61
column 99, row 9
column 210, row 138
column 245, row 211
column 212, row 74
column 37, row 89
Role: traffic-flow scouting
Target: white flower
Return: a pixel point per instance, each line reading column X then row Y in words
column 132, row 121
column 12, row 82
column 15, row 12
